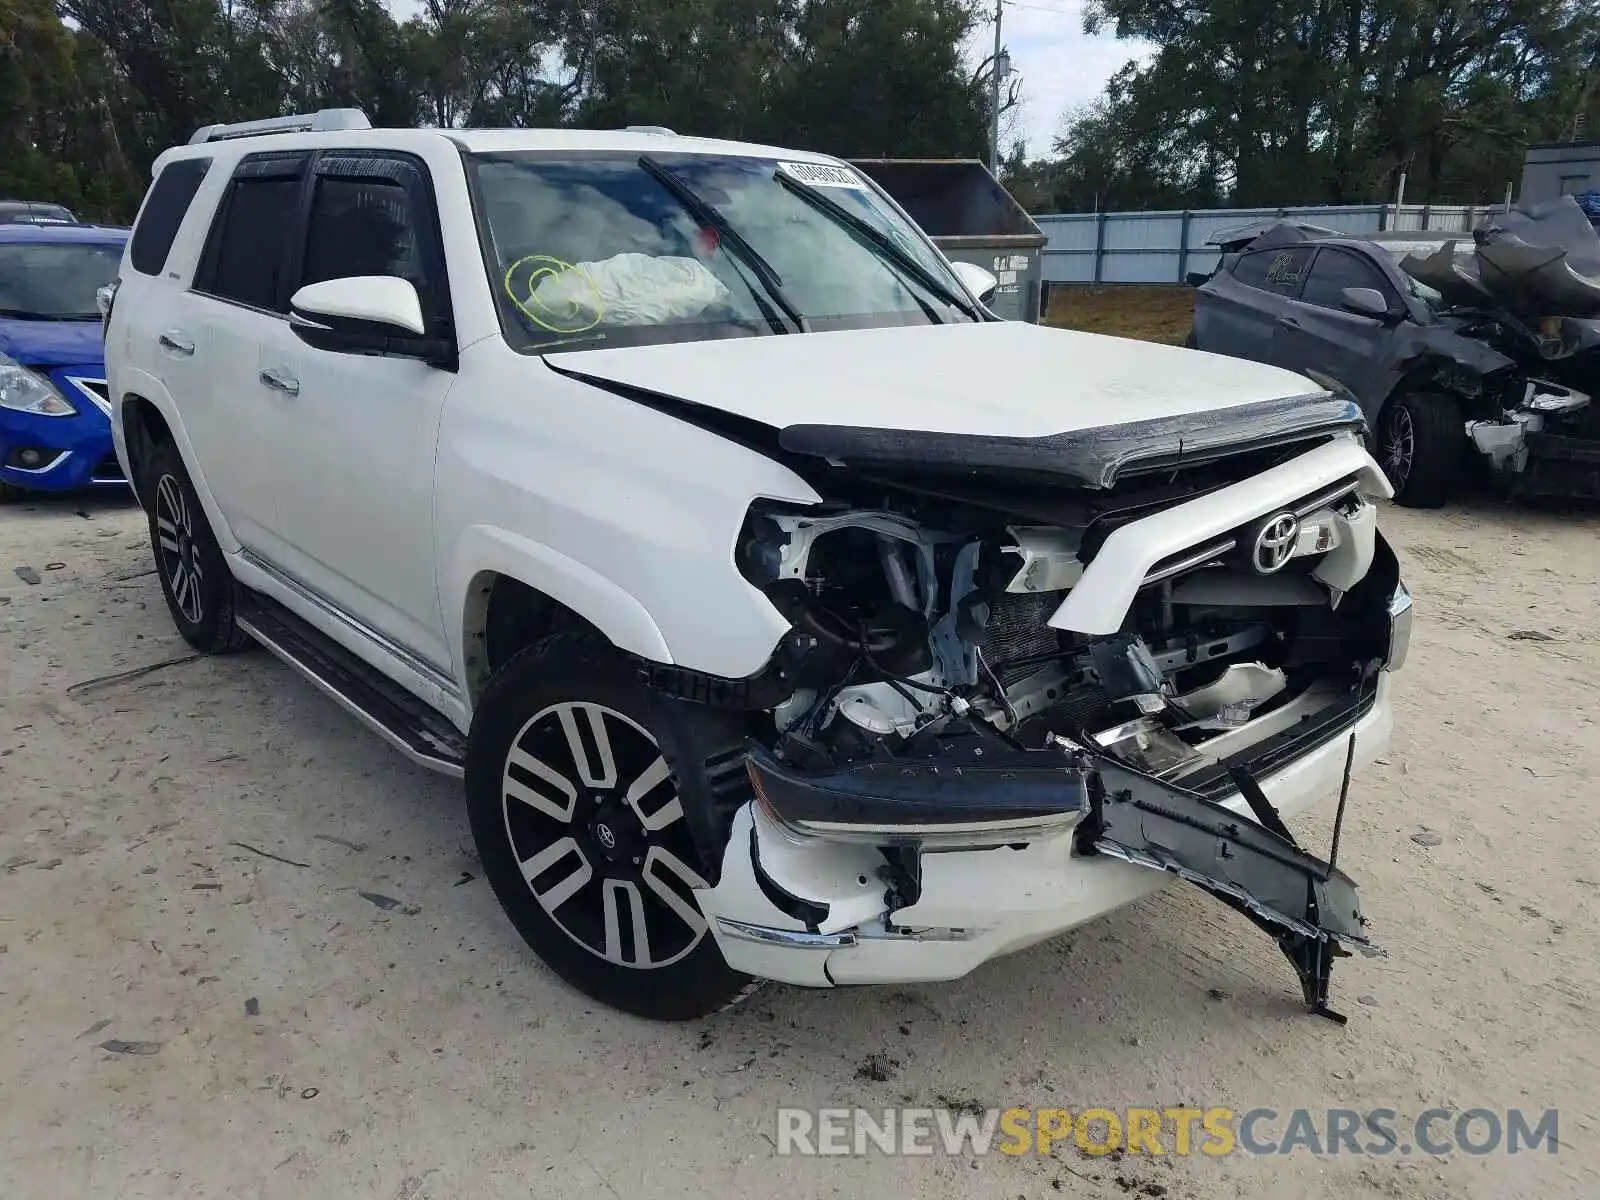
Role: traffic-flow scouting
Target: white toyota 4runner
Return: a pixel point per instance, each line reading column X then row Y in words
column 788, row 615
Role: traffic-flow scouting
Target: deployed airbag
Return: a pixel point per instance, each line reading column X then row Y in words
column 631, row 289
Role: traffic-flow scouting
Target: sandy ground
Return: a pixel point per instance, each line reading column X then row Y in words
column 301, row 1041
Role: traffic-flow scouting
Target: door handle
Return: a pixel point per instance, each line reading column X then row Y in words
column 1289, row 322
column 176, row 341
column 280, row 381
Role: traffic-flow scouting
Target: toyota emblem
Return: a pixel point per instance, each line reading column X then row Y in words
column 1275, row 543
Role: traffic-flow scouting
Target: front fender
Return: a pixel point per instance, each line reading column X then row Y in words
column 601, row 602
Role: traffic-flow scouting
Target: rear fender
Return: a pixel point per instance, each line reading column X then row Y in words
column 134, row 383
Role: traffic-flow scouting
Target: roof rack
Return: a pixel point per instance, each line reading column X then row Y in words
column 324, row 121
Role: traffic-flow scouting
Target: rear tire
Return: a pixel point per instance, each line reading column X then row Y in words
column 201, row 593
column 581, row 829
column 1422, row 448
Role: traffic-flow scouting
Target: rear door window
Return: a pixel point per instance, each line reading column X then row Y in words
column 168, row 203
column 1334, row 270
column 1280, row 271
column 248, row 250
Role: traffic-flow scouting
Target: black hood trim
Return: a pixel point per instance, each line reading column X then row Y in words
column 1087, row 458
column 1092, row 458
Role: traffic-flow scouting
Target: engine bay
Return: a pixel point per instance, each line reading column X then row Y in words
column 924, row 628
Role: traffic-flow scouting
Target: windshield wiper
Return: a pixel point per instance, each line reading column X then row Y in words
column 23, row 314
column 875, row 239
column 708, row 216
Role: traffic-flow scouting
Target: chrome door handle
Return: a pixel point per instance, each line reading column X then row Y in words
column 279, row 381
column 176, row 341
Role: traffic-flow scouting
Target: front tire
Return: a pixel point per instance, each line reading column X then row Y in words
column 583, row 835
column 1421, row 447
column 201, row 593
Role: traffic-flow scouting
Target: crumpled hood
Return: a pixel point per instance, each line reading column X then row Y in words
column 52, row 343
column 997, row 379
column 1000, row 395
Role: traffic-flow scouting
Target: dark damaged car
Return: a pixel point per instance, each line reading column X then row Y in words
column 1466, row 357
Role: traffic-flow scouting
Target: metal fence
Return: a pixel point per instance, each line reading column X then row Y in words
column 1162, row 247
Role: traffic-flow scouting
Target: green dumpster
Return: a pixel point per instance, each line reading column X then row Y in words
column 972, row 219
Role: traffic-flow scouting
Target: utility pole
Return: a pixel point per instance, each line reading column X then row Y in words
column 994, row 114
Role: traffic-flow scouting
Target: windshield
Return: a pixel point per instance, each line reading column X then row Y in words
column 46, row 282
column 603, row 249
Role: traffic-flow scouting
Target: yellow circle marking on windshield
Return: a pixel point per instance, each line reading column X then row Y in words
column 570, row 317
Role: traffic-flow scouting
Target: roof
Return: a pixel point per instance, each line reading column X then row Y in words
column 492, row 141
column 1589, row 144
column 102, row 235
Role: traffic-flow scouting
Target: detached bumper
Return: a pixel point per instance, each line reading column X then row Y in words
column 815, row 911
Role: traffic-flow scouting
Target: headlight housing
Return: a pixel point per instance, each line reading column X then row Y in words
column 23, row 390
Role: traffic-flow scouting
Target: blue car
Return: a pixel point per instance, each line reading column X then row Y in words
column 55, row 417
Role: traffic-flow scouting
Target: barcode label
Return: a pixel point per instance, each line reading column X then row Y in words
column 822, row 175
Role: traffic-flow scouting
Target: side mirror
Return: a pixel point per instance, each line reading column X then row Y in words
column 1369, row 302
column 976, row 280
column 366, row 314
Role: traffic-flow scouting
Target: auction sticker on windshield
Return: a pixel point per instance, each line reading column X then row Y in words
column 822, row 175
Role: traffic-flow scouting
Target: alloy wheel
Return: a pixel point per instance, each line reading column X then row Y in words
column 595, row 821
column 1399, row 445
column 180, row 559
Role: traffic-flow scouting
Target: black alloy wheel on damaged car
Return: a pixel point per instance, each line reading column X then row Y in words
column 582, row 832
column 1421, row 447
column 201, row 592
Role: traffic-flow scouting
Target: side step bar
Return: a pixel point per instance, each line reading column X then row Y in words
column 393, row 713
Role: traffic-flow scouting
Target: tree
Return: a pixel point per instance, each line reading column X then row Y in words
column 88, row 107
column 1330, row 100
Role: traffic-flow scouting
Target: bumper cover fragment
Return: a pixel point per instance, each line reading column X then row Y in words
column 1305, row 904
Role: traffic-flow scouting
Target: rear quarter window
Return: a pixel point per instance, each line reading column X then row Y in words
column 1280, row 271
column 168, row 203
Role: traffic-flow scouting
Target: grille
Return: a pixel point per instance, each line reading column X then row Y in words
column 95, row 390
column 1017, row 630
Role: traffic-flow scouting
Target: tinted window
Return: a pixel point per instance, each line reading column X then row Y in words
column 1279, row 271
column 164, row 209
column 594, row 250
column 1335, row 270
column 361, row 227
column 246, row 251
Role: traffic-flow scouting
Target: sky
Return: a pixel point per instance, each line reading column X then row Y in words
column 1061, row 66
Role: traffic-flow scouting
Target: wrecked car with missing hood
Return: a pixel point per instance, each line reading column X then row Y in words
column 787, row 614
column 1466, row 360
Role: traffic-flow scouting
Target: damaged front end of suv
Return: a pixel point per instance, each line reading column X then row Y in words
column 1016, row 668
